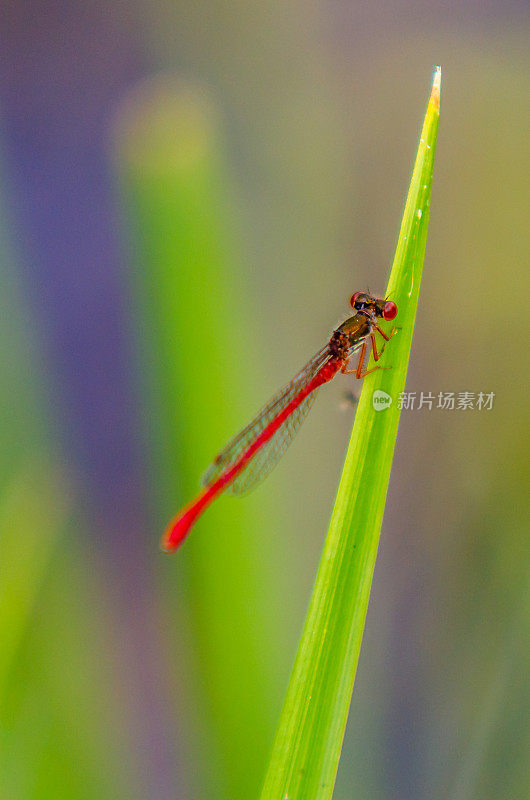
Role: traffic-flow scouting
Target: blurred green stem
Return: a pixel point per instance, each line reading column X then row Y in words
column 191, row 305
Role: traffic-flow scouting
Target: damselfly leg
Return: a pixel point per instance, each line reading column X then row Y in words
column 359, row 372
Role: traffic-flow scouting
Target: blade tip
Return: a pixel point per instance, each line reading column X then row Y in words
column 436, row 87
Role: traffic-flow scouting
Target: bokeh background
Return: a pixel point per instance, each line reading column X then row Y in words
column 190, row 192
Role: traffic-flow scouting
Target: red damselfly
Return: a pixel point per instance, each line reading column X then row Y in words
column 251, row 455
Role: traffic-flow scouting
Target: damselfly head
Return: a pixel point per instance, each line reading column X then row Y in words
column 381, row 308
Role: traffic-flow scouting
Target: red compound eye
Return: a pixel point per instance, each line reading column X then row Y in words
column 390, row 310
column 354, row 297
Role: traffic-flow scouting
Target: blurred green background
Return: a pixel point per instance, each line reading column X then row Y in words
column 189, row 195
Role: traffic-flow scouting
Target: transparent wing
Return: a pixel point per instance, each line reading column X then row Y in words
column 267, row 456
